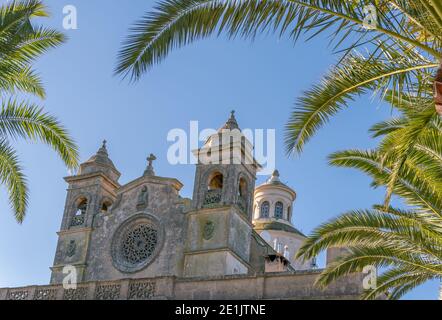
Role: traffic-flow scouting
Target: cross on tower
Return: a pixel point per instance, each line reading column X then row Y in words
column 149, row 171
column 151, row 159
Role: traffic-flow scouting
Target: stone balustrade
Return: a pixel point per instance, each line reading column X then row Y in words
column 288, row 285
column 213, row 198
column 142, row 289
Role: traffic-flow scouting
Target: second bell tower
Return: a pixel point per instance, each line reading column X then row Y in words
column 220, row 224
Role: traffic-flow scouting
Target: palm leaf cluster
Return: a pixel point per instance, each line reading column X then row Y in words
column 399, row 53
column 395, row 58
column 21, row 42
column 407, row 243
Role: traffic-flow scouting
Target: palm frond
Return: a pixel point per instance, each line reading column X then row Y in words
column 379, row 257
column 11, row 175
column 356, row 75
column 416, row 189
column 15, row 15
column 26, row 48
column 394, row 228
column 30, row 122
column 404, row 277
column 176, row 23
column 25, row 80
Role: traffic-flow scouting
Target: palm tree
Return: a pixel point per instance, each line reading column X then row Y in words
column 394, row 56
column 402, row 48
column 21, row 42
column 407, row 243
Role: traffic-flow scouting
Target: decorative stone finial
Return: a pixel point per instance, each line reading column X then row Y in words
column 231, row 124
column 103, row 150
column 150, row 171
column 275, row 177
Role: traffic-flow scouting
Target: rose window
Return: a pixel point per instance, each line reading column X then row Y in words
column 135, row 244
column 139, row 244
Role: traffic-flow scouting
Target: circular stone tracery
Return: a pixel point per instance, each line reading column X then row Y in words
column 135, row 244
column 139, row 244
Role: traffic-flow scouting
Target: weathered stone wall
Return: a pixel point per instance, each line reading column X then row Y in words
column 159, row 203
column 162, row 206
column 270, row 286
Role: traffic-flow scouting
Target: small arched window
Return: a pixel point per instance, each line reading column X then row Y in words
column 80, row 213
column 81, row 208
column 105, row 206
column 265, row 209
column 242, row 188
column 216, row 182
column 214, row 189
column 242, row 194
column 279, row 210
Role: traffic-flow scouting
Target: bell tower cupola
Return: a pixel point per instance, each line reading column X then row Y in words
column 226, row 170
column 220, row 223
column 90, row 194
column 100, row 162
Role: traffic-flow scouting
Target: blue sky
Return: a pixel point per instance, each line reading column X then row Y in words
column 202, row 82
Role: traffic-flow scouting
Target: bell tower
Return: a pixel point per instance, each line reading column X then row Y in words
column 90, row 194
column 220, row 224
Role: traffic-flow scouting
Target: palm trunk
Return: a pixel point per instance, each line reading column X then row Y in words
column 438, row 90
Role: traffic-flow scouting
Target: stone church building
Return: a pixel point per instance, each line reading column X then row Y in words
column 142, row 240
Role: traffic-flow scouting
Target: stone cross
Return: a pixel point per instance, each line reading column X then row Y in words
column 151, row 159
column 149, row 171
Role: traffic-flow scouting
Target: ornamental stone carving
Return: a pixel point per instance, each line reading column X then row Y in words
column 208, row 231
column 45, row 294
column 108, row 292
column 71, row 249
column 136, row 243
column 141, row 290
column 143, row 198
column 75, row 294
column 18, row 295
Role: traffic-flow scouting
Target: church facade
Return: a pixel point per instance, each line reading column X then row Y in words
column 142, row 240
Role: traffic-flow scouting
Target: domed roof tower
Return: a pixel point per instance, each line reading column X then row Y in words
column 272, row 219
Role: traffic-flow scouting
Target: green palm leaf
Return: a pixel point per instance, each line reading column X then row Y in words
column 21, row 120
column 25, row 80
column 402, row 54
column 21, row 42
column 406, row 242
column 11, row 175
column 356, row 75
column 176, row 23
column 414, row 187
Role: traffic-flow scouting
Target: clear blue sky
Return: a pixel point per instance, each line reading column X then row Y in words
column 203, row 82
